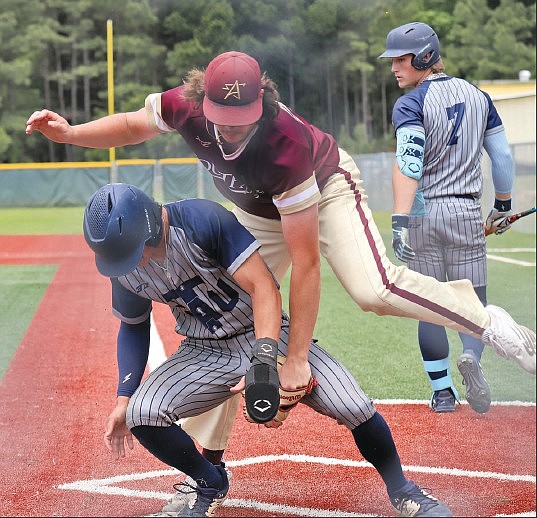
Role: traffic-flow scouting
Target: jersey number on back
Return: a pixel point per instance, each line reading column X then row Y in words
column 455, row 112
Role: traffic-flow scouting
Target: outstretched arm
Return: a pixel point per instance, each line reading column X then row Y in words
column 116, row 130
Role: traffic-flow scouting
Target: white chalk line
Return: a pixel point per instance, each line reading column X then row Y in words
column 107, row 486
column 503, row 259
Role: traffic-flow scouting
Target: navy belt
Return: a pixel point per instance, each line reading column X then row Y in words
column 465, row 196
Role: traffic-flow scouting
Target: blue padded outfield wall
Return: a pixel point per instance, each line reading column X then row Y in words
column 170, row 179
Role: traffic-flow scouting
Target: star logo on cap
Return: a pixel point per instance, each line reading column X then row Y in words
column 233, row 89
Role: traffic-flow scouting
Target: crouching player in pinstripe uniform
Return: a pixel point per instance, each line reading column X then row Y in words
column 442, row 126
column 196, row 257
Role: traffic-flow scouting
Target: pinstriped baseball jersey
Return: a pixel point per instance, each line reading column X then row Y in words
column 455, row 116
column 205, row 246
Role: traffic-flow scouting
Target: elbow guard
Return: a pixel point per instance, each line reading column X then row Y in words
column 409, row 155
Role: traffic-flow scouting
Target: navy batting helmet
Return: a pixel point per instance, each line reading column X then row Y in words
column 119, row 221
column 413, row 38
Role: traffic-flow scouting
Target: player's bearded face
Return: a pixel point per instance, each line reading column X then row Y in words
column 235, row 134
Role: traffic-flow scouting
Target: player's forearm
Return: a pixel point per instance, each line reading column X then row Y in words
column 254, row 278
column 303, row 309
column 122, row 402
column 132, row 355
column 404, row 191
column 502, row 167
column 110, row 131
column 267, row 309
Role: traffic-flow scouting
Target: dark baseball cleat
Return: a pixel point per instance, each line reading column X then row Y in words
column 443, row 401
column 183, row 496
column 477, row 388
column 412, row 500
column 509, row 339
column 205, row 500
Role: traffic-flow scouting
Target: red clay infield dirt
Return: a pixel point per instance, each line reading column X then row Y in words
column 60, row 387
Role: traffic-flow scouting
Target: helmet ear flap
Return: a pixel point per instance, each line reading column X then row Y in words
column 155, row 218
column 424, row 59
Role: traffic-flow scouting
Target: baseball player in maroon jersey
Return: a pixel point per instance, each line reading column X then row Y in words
column 300, row 196
column 442, row 126
column 194, row 256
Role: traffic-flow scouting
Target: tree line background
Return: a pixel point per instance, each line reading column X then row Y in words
column 321, row 53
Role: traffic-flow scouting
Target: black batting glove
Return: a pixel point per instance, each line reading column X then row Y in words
column 261, row 394
column 403, row 251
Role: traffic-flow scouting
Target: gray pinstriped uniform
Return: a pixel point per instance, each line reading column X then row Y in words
column 204, row 250
column 447, row 234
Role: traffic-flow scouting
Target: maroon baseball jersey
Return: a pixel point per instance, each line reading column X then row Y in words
column 281, row 170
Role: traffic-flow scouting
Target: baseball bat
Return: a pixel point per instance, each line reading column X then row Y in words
column 508, row 220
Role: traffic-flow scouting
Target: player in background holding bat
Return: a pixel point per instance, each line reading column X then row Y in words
column 442, row 126
column 196, row 257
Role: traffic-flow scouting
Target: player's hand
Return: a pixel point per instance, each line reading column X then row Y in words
column 294, row 373
column 291, row 393
column 496, row 221
column 52, row 125
column 239, row 387
column 403, row 251
column 116, row 432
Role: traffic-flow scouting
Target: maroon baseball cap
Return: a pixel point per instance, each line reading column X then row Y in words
column 233, row 90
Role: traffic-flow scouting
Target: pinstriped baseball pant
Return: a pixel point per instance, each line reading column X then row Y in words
column 197, row 377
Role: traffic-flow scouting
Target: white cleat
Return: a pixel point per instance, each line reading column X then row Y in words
column 509, row 339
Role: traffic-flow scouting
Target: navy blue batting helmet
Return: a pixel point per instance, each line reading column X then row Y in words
column 119, row 220
column 413, row 38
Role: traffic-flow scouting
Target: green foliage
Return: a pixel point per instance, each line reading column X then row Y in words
column 323, row 54
column 500, row 39
column 5, row 141
column 359, row 143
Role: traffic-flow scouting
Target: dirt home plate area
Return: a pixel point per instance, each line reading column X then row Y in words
column 60, row 387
